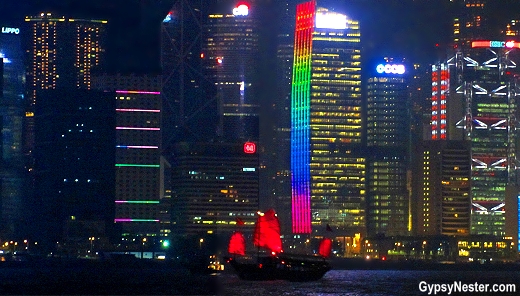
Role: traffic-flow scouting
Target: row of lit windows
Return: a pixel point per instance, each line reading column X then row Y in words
column 337, row 82
column 386, row 79
column 341, row 103
column 338, row 162
column 335, row 88
column 352, row 40
column 319, row 107
column 334, row 70
column 318, row 124
column 328, row 74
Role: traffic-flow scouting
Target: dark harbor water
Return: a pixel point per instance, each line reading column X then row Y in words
column 369, row 282
column 141, row 277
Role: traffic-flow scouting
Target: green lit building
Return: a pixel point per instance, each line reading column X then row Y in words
column 328, row 170
column 490, row 89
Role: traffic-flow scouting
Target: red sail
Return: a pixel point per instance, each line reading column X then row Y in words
column 325, row 247
column 267, row 232
column 237, row 244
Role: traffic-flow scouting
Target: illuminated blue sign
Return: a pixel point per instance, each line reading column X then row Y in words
column 7, row 30
column 390, row 69
column 4, row 59
column 241, row 9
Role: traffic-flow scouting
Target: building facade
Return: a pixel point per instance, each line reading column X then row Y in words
column 230, row 53
column 328, row 171
column 61, row 52
column 215, row 188
column 442, row 204
column 74, row 166
column 488, row 87
column 140, row 198
column 388, row 140
column 11, row 115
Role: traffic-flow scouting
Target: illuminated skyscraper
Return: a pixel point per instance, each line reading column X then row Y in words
column 184, row 87
column 471, row 23
column 275, row 132
column 490, row 90
column 475, row 91
column 485, row 79
column 388, row 139
column 230, row 53
column 11, row 115
column 214, row 186
column 64, row 51
column 140, row 197
column 442, row 182
column 61, row 52
column 328, row 173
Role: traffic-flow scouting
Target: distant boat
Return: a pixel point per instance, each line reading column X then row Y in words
column 276, row 264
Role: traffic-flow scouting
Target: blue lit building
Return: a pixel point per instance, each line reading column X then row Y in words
column 11, row 115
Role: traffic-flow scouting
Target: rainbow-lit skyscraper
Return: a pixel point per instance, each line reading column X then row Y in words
column 328, row 173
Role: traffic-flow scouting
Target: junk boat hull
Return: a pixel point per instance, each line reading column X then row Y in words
column 290, row 268
column 279, row 265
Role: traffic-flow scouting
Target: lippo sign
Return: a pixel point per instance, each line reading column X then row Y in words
column 7, row 30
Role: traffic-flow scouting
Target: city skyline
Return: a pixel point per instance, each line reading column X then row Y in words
column 392, row 28
column 160, row 129
column 334, row 110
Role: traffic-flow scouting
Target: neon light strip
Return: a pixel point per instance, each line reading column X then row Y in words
column 300, row 118
column 135, row 220
column 138, row 92
column 137, row 147
column 440, row 88
column 138, row 201
column 138, row 110
column 138, row 128
column 495, row 44
column 137, row 165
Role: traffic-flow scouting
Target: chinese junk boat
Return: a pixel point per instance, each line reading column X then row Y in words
column 274, row 264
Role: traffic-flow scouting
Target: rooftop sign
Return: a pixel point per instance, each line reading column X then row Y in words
column 330, row 20
column 249, row 147
column 495, row 44
column 7, row 30
column 390, row 69
column 241, row 10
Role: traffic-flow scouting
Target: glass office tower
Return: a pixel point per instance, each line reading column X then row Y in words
column 328, row 173
column 388, row 138
column 11, row 114
column 230, row 53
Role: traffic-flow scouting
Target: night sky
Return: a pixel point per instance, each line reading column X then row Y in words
column 390, row 27
column 398, row 28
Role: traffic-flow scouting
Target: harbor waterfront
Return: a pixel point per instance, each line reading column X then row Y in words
column 52, row 276
column 367, row 282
